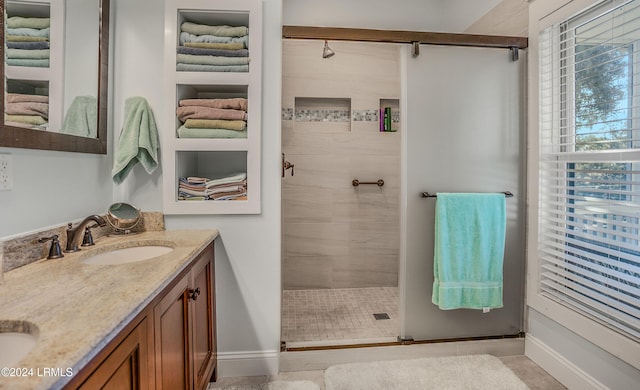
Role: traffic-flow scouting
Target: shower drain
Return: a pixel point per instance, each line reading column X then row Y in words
column 381, row 316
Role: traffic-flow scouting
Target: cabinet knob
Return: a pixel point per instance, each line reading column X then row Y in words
column 193, row 293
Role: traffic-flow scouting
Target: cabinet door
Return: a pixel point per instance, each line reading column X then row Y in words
column 126, row 367
column 171, row 339
column 203, row 319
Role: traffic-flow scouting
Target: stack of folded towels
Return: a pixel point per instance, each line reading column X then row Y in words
column 232, row 187
column 205, row 48
column 27, row 41
column 213, row 118
column 23, row 109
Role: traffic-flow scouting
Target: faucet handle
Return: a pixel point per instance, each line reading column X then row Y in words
column 87, row 239
column 55, row 252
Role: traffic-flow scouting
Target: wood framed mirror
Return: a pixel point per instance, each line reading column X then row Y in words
column 68, row 73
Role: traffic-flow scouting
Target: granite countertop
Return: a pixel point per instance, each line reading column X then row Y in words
column 78, row 308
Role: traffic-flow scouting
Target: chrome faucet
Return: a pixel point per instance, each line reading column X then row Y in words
column 73, row 234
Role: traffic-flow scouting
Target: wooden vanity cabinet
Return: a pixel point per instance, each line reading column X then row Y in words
column 172, row 346
column 203, row 324
column 184, row 330
column 171, row 340
column 126, row 367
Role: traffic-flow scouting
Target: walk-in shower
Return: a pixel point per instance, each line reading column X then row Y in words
column 341, row 222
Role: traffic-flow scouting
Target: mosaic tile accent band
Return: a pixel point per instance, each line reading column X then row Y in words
column 288, row 114
column 322, row 116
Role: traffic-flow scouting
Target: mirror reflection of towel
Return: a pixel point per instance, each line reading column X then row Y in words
column 82, row 117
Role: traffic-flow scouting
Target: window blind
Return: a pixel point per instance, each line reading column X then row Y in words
column 589, row 193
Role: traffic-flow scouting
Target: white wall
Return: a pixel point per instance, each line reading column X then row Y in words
column 415, row 15
column 248, row 251
column 558, row 339
column 53, row 188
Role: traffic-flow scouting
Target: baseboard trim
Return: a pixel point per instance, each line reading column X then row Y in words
column 248, row 363
column 567, row 373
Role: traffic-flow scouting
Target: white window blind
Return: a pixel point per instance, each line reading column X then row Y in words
column 589, row 211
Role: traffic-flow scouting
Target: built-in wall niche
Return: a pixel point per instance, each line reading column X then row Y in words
column 217, row 70
column 26, row 103
column 29, row 87
column 206, row 178
column 322, row 114
column 219, row 124
column 24, row 9
column 227, row 20
column 389, row 117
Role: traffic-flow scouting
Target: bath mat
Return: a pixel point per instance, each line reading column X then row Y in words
column 477, row 372
column 275, row 385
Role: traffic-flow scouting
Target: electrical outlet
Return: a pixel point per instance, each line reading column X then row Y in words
column 6, row 172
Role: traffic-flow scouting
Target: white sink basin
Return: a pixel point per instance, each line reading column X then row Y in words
column 15, row 343
column 128, row 255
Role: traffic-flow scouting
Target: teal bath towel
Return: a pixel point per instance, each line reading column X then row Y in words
column 138, row 140
column 469, row 250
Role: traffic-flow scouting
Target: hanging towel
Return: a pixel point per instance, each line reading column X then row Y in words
column 82, row 117
column 138, row 140
column 469, row 250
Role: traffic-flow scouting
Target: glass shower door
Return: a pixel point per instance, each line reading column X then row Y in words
column 465, row 132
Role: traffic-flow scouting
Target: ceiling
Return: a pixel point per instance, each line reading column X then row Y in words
column 416, row 15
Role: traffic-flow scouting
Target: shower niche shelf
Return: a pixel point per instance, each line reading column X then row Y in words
column 389, row 117
column 322, row 115
column 198, row 152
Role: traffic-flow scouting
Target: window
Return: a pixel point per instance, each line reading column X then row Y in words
column 589, row 194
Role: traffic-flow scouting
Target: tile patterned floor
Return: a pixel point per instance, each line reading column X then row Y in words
column 324, row 316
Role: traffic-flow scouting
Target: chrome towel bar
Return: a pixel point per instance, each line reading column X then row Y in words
column 507, row 194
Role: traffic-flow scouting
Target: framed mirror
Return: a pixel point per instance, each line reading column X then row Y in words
column 55, row 70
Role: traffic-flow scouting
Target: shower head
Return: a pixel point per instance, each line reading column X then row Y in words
column 327, row 52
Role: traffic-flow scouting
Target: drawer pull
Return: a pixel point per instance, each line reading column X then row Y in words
column 193, row 293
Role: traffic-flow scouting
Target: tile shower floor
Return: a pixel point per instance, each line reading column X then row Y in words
column 339, row 316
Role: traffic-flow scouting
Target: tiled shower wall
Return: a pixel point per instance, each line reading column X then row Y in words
column 336, row 235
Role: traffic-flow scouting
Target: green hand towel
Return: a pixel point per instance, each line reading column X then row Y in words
column 138, row 140
column 469, row 250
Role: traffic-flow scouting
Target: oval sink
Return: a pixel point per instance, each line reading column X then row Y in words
column 17, row 339
column 127, row 255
